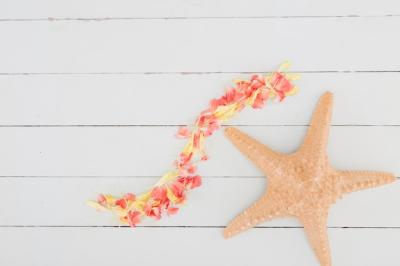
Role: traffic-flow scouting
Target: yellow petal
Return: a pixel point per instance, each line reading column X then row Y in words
column 167, row 177
column 236, row 81
column 253, row 97
column 96, row 205
column 123, row 220
column 188, row 147
column 171, row 196
column 292, row 91
column 292, row 76
column 120, row 212
column 139, row 205
column 109, row 198
column 143, row 197
column 201, row 141
column 284, row 66
column 225, row 112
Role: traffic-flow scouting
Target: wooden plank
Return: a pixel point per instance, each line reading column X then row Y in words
column 197, row 246
column 200, row 45
column 180, row 8
column 174, row 99
column 137, row 56
column 61, row 202
column 150, row 151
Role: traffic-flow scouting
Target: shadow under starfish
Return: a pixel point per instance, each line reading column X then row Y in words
column 302, row 184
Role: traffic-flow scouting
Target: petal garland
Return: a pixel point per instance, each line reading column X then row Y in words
column 170, row 190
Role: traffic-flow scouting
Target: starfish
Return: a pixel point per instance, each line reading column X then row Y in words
column 302, row 184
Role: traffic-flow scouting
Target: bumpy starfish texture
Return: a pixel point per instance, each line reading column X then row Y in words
column 302, row 184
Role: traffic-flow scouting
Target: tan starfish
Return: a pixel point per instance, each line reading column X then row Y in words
column 302, row 184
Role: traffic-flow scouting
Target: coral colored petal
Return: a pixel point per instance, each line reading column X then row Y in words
column 130, row 197
column 191, row 169
column 172, row 210
column 159, row 193
column 133, row 218
column 101, row 199
column 183, row 132
column 196, row 182
column 121, row 203
column 172, row 187
column 204, row 158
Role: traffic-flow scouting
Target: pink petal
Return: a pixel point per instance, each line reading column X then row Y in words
column 182, row 180
column 178, row 189
column 121, row 203
column 196, row 182
column 214, row 103
column 159, row 193
column 257, row 104
column 101, row 199
column 204, row 158
column 213, row 125
column 130, row 197
column 196, row 140
column 133, row 218
column 191, row 169
column 172, row 210
column 153, row 211
column 185, row 158
column 183, row 132
column 281, row 84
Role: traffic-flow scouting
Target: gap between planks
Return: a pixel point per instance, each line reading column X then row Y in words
column 187, row 226
column 127, row 177
column 51, row 19
column 223, row 126
column 199, row 72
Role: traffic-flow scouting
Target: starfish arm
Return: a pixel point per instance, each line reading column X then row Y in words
column 263, row 157
column 357, row 180
column 316, row 138
column 315, row 227
column 262, row 210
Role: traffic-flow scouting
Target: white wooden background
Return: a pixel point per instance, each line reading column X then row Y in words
column 91, row 93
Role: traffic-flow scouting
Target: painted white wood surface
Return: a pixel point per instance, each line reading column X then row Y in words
column 194, row 246
column 119, row 99
column 90, row 91
column 19, row 9
column 200, row 45
column 214, row 204
column 151, row 150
